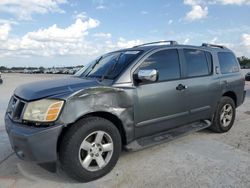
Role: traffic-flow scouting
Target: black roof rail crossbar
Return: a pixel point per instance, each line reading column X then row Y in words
column 213, row 45
column 171, row 42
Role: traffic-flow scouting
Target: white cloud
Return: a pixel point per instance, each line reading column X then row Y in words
column 214, row 40
column 245, row 38
column 223, row 2
column 54, row 40
column 192, row 2
column 186, row 41
column 4, row 31
column 241, row 47
column 70, row 34
column 23, row 9
column 212, row 2
column 102, row 35
column 99, row 4
column 229, row 30
column 234, row 2
column 123, row 43
column 170, row 22
column 198, row 12
column 50, row 41
column 200, row 7
column 101, row 7
column 10, row 22
column 82, row 16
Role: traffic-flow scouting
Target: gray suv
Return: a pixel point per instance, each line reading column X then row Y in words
column 128, row 99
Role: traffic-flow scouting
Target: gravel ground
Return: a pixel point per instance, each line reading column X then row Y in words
column 202, row 159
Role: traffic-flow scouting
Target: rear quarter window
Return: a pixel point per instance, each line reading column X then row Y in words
column 199, row 63
column 228, row 62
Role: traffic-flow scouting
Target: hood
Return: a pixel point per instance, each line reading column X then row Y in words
column 46, row 88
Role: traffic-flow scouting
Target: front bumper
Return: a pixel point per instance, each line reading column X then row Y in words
column 32, row 143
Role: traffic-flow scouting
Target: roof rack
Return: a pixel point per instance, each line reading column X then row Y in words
column 213, row 45
column 171, row 42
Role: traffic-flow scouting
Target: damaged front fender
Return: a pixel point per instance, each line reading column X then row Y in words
column 116, row 101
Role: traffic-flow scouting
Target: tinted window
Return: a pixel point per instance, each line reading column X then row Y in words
column 110, row 65
column 209, row 62
column 166, row 62
column 228, row 62
column 197, row 62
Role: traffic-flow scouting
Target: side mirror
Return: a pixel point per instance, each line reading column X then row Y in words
column 149, row 75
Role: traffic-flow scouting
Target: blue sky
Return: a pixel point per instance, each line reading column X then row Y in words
column 72, row 32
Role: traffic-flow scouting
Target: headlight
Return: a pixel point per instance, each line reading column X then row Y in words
column 45, row 110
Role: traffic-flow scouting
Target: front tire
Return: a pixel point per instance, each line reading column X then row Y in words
column 224, row 116
column 90, row 149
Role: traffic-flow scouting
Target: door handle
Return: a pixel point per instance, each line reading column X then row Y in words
column 181, row 87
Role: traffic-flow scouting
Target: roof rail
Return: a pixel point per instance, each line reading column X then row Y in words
column 171, row 42
column 213, row 45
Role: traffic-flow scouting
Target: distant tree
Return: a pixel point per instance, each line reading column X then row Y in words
column 41, row 69
column 2, row 68
column 244, row 61
column 32, row 68
column 17, row 68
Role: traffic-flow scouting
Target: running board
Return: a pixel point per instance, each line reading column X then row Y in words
column 169, row 135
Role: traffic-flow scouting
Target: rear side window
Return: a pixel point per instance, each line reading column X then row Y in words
column 228, row 62
column 166, row 62
column 199, row 63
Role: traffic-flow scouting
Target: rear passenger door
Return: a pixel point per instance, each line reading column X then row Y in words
column 202, row 84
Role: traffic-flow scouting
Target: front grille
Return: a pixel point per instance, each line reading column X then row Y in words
column 15, row 108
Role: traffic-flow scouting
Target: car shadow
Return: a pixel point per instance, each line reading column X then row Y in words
column 15, row 169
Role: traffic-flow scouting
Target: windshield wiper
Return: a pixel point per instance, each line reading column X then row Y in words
column 111, row 68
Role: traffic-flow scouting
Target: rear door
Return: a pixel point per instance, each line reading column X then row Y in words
column 203, row 86
column 160, row 105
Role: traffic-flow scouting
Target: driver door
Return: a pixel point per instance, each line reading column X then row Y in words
column 160, row 105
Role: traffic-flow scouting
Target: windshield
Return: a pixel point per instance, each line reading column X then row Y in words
column 110, row 65
column 82, row 70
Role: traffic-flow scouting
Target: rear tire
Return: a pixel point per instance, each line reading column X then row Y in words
column 224, row 116
column 90, row 149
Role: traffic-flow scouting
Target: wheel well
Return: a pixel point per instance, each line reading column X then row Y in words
column 114, row 119
column 106, row 115
column 232, row 96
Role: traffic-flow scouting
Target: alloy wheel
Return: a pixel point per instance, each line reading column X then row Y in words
column 96, row 151
column 226, row 115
